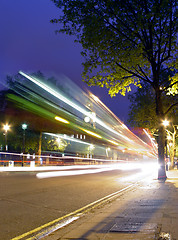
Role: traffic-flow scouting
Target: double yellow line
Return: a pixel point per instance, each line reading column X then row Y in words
column 49, row 227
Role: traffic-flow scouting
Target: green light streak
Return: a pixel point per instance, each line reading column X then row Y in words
column 70, row 103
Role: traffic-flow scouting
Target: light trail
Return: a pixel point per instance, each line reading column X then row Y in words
column 47, row 114
column 68, row 138
column 91, row 133
column 61, row 119
column 155, row 147
column 63, row 157
column 145, row 170
column 48, row 168
column 71, row 173
column 113, row 142
column 70, row 103
column 121, row 137
column 81, row 169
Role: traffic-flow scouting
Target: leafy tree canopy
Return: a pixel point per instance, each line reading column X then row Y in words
column 142, row 109
column 125, row 42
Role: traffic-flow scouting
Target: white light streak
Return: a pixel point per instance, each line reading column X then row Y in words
column 71, row 173
column 70, row 103
column 68, row 138
column 147, row 169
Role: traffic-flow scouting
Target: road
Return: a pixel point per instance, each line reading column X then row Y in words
column 27, row 202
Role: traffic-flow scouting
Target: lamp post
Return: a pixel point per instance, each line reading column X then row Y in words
column 166, row 123
column 6, row 128
column 172, row 136
column 24, row 127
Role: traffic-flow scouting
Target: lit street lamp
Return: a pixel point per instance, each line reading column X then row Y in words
column 165, row 123
column 24, row 127
column 6, row 128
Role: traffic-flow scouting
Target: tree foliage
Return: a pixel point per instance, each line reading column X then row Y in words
column 142, row 109
column 126, row 42
column 54, row 144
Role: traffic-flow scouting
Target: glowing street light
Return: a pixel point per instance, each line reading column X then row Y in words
column 6, row 128
column 165, row 123
column 24, row 127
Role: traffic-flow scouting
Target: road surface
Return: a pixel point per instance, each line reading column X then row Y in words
column 27, row 202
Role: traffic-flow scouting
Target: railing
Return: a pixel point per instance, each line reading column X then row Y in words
column 31, row 160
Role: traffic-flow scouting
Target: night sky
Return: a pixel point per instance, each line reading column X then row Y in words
column 28, row 42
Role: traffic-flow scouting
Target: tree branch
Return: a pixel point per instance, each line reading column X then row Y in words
column 131, row 72
column 148, row 80
column 173, row 105
column 169, row 86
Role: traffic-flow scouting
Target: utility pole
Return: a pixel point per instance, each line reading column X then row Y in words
column 39, row 149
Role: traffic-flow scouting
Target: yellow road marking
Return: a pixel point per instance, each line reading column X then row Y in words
column 77, row 212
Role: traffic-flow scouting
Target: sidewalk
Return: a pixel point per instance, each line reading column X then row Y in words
column 149, row 211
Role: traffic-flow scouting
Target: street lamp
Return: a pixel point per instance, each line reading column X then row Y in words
column 24, row 127
column 165, row 123
column 6, row 128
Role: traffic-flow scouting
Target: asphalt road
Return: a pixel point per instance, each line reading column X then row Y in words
column 27, row 202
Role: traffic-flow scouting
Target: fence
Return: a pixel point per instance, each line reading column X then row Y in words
column 31, row 160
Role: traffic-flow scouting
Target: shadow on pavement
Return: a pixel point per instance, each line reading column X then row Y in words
column 141, row 214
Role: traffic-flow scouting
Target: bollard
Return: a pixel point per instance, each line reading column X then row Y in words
column 11, row 163
column 32, row 164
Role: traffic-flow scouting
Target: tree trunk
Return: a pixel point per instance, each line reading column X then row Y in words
column 161, row 137
column 161, row 160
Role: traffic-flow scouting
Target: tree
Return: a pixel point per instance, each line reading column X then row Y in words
column 125, row 42
column 142, row 115
column 54, row 144
column 142, row 109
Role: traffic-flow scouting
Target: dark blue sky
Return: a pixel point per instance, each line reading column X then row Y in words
column 28, row 43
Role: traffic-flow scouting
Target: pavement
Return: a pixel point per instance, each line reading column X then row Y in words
column 147, row 211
